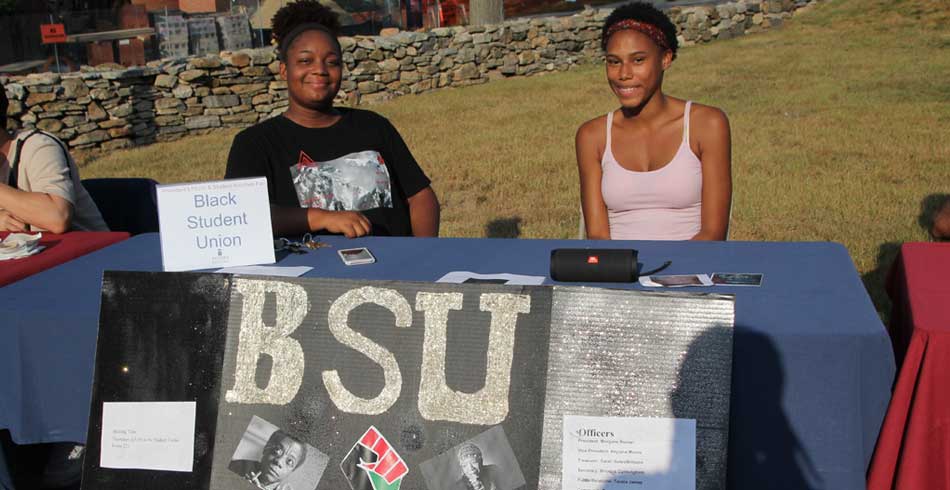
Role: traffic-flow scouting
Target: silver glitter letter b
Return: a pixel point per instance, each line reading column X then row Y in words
column 489, row 405
column 256, row 338
column 337, row 318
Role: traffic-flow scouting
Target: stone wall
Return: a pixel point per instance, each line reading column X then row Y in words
column 109, row 108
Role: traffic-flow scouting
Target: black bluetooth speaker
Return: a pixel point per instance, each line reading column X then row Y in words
column 594, row 265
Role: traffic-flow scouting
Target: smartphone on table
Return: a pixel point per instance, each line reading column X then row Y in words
column 356, row 256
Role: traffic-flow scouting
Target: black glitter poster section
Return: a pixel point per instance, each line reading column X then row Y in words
column 161, row 338
column 362, row 384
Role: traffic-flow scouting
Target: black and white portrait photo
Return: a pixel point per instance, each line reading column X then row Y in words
column 484, row 462
column 269, row 458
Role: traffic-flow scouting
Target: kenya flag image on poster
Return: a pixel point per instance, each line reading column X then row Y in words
column 373, row 464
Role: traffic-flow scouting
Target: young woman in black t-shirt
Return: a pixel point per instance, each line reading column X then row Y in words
column 330, row 169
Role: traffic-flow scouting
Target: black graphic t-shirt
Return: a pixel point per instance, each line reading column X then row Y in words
column 358, row 164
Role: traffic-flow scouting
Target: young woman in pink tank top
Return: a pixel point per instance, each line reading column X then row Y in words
column 657, row 168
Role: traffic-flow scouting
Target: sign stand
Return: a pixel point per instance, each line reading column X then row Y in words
column 53, row 34
column 55, row 48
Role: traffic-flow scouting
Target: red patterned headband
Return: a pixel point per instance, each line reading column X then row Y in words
column 652, row 31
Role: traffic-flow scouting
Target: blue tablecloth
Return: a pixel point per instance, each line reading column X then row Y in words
column 812, row 368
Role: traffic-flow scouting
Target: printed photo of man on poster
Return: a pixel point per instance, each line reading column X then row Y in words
column 484, row 462
column 280, row 457
column 475, row 474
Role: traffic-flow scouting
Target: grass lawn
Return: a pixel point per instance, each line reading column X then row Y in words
column 839, row 126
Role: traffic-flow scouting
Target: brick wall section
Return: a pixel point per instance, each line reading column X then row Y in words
column 110, row 109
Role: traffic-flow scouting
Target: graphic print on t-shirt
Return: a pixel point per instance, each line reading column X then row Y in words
column 304, row 159
column 353, row 182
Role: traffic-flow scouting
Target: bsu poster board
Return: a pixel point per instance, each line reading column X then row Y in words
column 310, row 384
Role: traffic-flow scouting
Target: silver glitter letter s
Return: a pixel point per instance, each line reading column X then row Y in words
column 256, row 338
column 489, row 405
column 337, row 318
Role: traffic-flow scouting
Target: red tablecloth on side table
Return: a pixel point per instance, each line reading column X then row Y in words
column 913, row 449
column 59, row 249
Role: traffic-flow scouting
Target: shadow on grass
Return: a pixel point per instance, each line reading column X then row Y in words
column 504, row 228
column 874, row 280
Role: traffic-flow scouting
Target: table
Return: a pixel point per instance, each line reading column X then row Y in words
column 59, row 248
column 21, row 67
column 812, row 366
column 914, row 447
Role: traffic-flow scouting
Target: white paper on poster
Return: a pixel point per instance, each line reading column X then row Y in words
column 459, row 277
column 621, row 453
column 148, row 435
column 205, row 225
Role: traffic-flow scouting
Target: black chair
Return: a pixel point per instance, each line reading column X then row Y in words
column 125, row 204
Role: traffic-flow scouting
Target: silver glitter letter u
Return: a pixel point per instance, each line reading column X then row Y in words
column 337, row 318
column 490, row 404
column 256, row 339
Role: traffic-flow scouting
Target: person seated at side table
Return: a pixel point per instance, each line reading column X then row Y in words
column 40, row 188
column 941, row 225
column 657, row 168
column 330, row 169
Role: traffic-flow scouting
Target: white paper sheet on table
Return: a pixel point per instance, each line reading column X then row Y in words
column 267, row 270
column 148, row 435
column 513, row 279
column 19, row 255
column 19, row 245
column 621, row 453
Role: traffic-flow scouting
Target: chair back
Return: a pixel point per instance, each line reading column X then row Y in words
column 126, row 204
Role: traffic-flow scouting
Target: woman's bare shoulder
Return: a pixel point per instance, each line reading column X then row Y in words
column 593, row 130
column 709, row 117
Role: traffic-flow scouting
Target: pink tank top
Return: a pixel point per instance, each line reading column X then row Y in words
column 661, row 204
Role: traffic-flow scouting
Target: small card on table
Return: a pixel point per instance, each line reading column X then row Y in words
column 675, row 280
column 737, row 279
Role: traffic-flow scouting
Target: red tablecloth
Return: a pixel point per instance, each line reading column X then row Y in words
column 59, row 249
column 913, row 449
